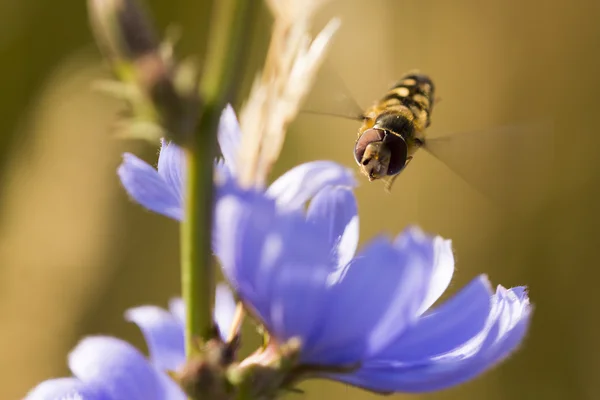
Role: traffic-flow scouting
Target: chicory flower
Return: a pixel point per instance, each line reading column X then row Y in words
column 108, row 368
column 364, row 319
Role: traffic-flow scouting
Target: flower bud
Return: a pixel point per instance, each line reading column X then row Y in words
column 122, row 29
column 126, row 36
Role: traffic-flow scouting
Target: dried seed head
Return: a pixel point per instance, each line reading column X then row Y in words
column 293, row 60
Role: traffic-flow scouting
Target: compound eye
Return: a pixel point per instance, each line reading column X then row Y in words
column 398, row 153
column 368, row 136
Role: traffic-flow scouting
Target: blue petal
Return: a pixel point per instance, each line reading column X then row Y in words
column 148, row 188
column 443, row 269
column 298, row 288
column 224, row 311
column 65, row 389
column 169, row 390
column 294, row 188
column 171, row 167
column 243, row 222
column 504, row 331
column 358, row 325
column 335, row 208
column 117, row 367
column 230, row 137
column 273, row 258
column 163, row 333
column 177, row 308
column 443, row 329
column 435, row 265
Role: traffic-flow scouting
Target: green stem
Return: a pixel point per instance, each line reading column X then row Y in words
column 228, row 27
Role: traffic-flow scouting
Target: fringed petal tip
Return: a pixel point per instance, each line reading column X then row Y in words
column 171, row 167
column 521, row 292
column 463, row 338
column 147, row 187
column 229, row 137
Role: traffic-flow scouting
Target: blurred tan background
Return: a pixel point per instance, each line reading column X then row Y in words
column 75, row 253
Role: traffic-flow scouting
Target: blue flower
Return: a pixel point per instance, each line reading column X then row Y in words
column 368, row 313
column 107, row 368
column 296, row 271
column 161, row 189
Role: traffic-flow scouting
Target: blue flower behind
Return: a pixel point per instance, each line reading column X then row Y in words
column 107, row 368
column 161, row 190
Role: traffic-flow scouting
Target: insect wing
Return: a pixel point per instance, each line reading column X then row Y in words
column 505, row 164
column 331, row 97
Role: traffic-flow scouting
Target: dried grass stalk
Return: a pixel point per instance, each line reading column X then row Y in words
column 293, row 60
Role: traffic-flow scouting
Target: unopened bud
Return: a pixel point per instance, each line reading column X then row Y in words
column 126, row 36
column 122, row 28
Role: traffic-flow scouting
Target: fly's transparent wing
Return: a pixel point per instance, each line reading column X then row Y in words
column 508, row 165
column 331, row 97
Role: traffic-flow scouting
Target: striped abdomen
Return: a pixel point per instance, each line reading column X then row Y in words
column 413, row 94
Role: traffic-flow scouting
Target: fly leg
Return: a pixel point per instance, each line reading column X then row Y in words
column 390, row 181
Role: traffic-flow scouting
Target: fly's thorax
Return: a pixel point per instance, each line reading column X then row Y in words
column 398, row 121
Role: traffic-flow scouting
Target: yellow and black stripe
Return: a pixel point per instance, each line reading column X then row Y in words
column 415, row 92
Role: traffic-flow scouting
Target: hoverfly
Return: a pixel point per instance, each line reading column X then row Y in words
column 394, row 128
